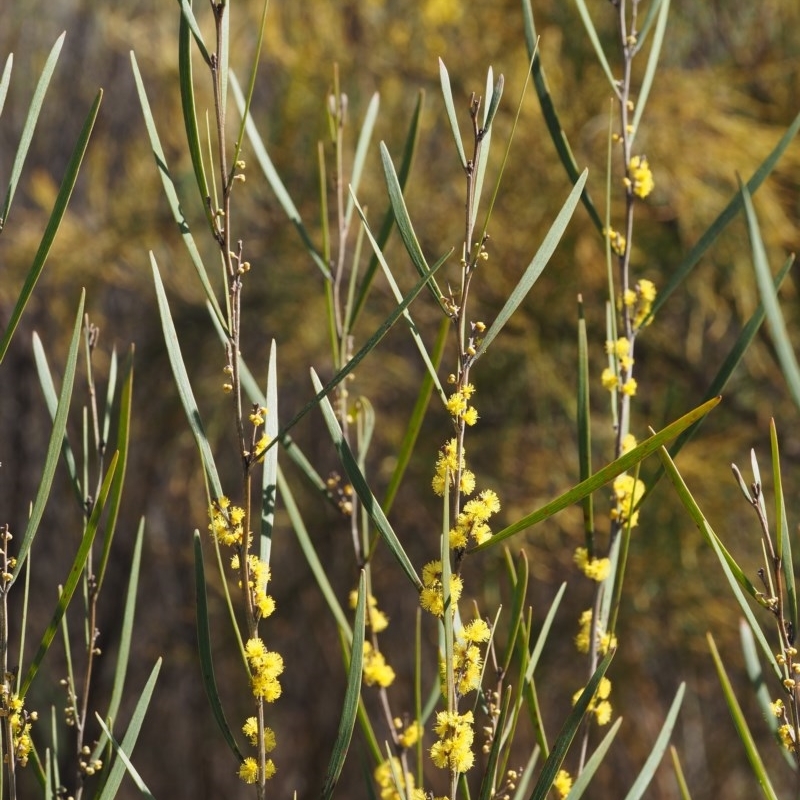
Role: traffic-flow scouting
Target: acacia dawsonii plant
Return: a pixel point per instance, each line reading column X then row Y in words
column 509, row 695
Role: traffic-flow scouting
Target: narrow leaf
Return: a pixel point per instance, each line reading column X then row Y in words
column 183, row 385
column 537, row 265
column 172, row 194
column 736, row 578
column 190, row 115
column 73, row 578
column 550, row 114
column 352, row 693
column 784, row 542
column 388, row 219
column 362, row 148
column 30, row 123
column 5, row 80
column 568, row 731
column 587, row 773
column 204, row 649
column 603, row 476
column 368, row 500
column 452, row 116
column 56, row 215
column 777, row 325
column 117, row 748
column 652, row 63
column 117, row 772
column 269, row 491
column 595, row 40
column 753, row 756
column 543, row 633
column 54, row 445
column 404, row 224
column 188, row 15
column 657, row 753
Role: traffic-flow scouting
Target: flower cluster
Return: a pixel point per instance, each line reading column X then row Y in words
column 605, row 641
column 448, row 463
column 453, row 751
column 640, row 178
column 258, row 578
column 472, row 520
column 618, row 376
column 432, row 595
column 458, row 404
column 467, row 660
column 376, row 671
column 409, row 735
column 376, row 619
column 261, row 442
column 599, row 704
column 563, row 783
column 617, row 241
column 20, row 721
column 640, row 301
column 596, row 569
column 628, row 491
column 265, row 667
column 248, row 771
column 227, row 522
column 394, row 783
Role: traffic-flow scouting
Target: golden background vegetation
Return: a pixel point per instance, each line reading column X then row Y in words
column 728, row 86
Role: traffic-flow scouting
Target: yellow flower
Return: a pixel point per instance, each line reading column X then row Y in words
column 596, row 569
column 629, row 387
column 563, row 783
column 411, row 735
column 616, row 240
column 640, row 178
column 454, row 749
column 609, row 379
column 385, row 774
column 376, row 671
column 431, row 597
column 248, row 771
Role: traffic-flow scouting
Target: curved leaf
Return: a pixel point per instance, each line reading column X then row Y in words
column 368, row 500
column 351, row 697
column 204, row 649
column 656, row 754
column 603, row 476
column 183, row 385
column 536, row 267
column 452, row 116
column 652, row 63
column 30, row 123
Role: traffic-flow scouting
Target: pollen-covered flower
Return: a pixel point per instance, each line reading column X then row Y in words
column 471, row 521
column 616, row 240
column 628, row 491
column 20, row 722
column 265, row 667
column 447, row 463
column 599, row 704
column 609, row 379
column 388, row 774
column 376, row 671
column 226, row 524
column 248, row 770
column 410, row 735
column 605, row 641
column 596, row 569
column 432, row 595
column 376, row 619
column 640, row 177
column 563, row 783
column 453, row 751
column 459, row 407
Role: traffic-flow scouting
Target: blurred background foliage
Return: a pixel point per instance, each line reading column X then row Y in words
column 729, row 84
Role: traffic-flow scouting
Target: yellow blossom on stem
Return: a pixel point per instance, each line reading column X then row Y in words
column 432, row 596
column 376, row 671
column 596, row 569
column 598, row 705
column 628, row 491
column 563, row 783
column 453, row 751
column 388, row 774
column 248, row 770
column 609, row 379
column 605, row 641
column 376, row 619
column 640, row 177
column 616, row 240
column 411, row 735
